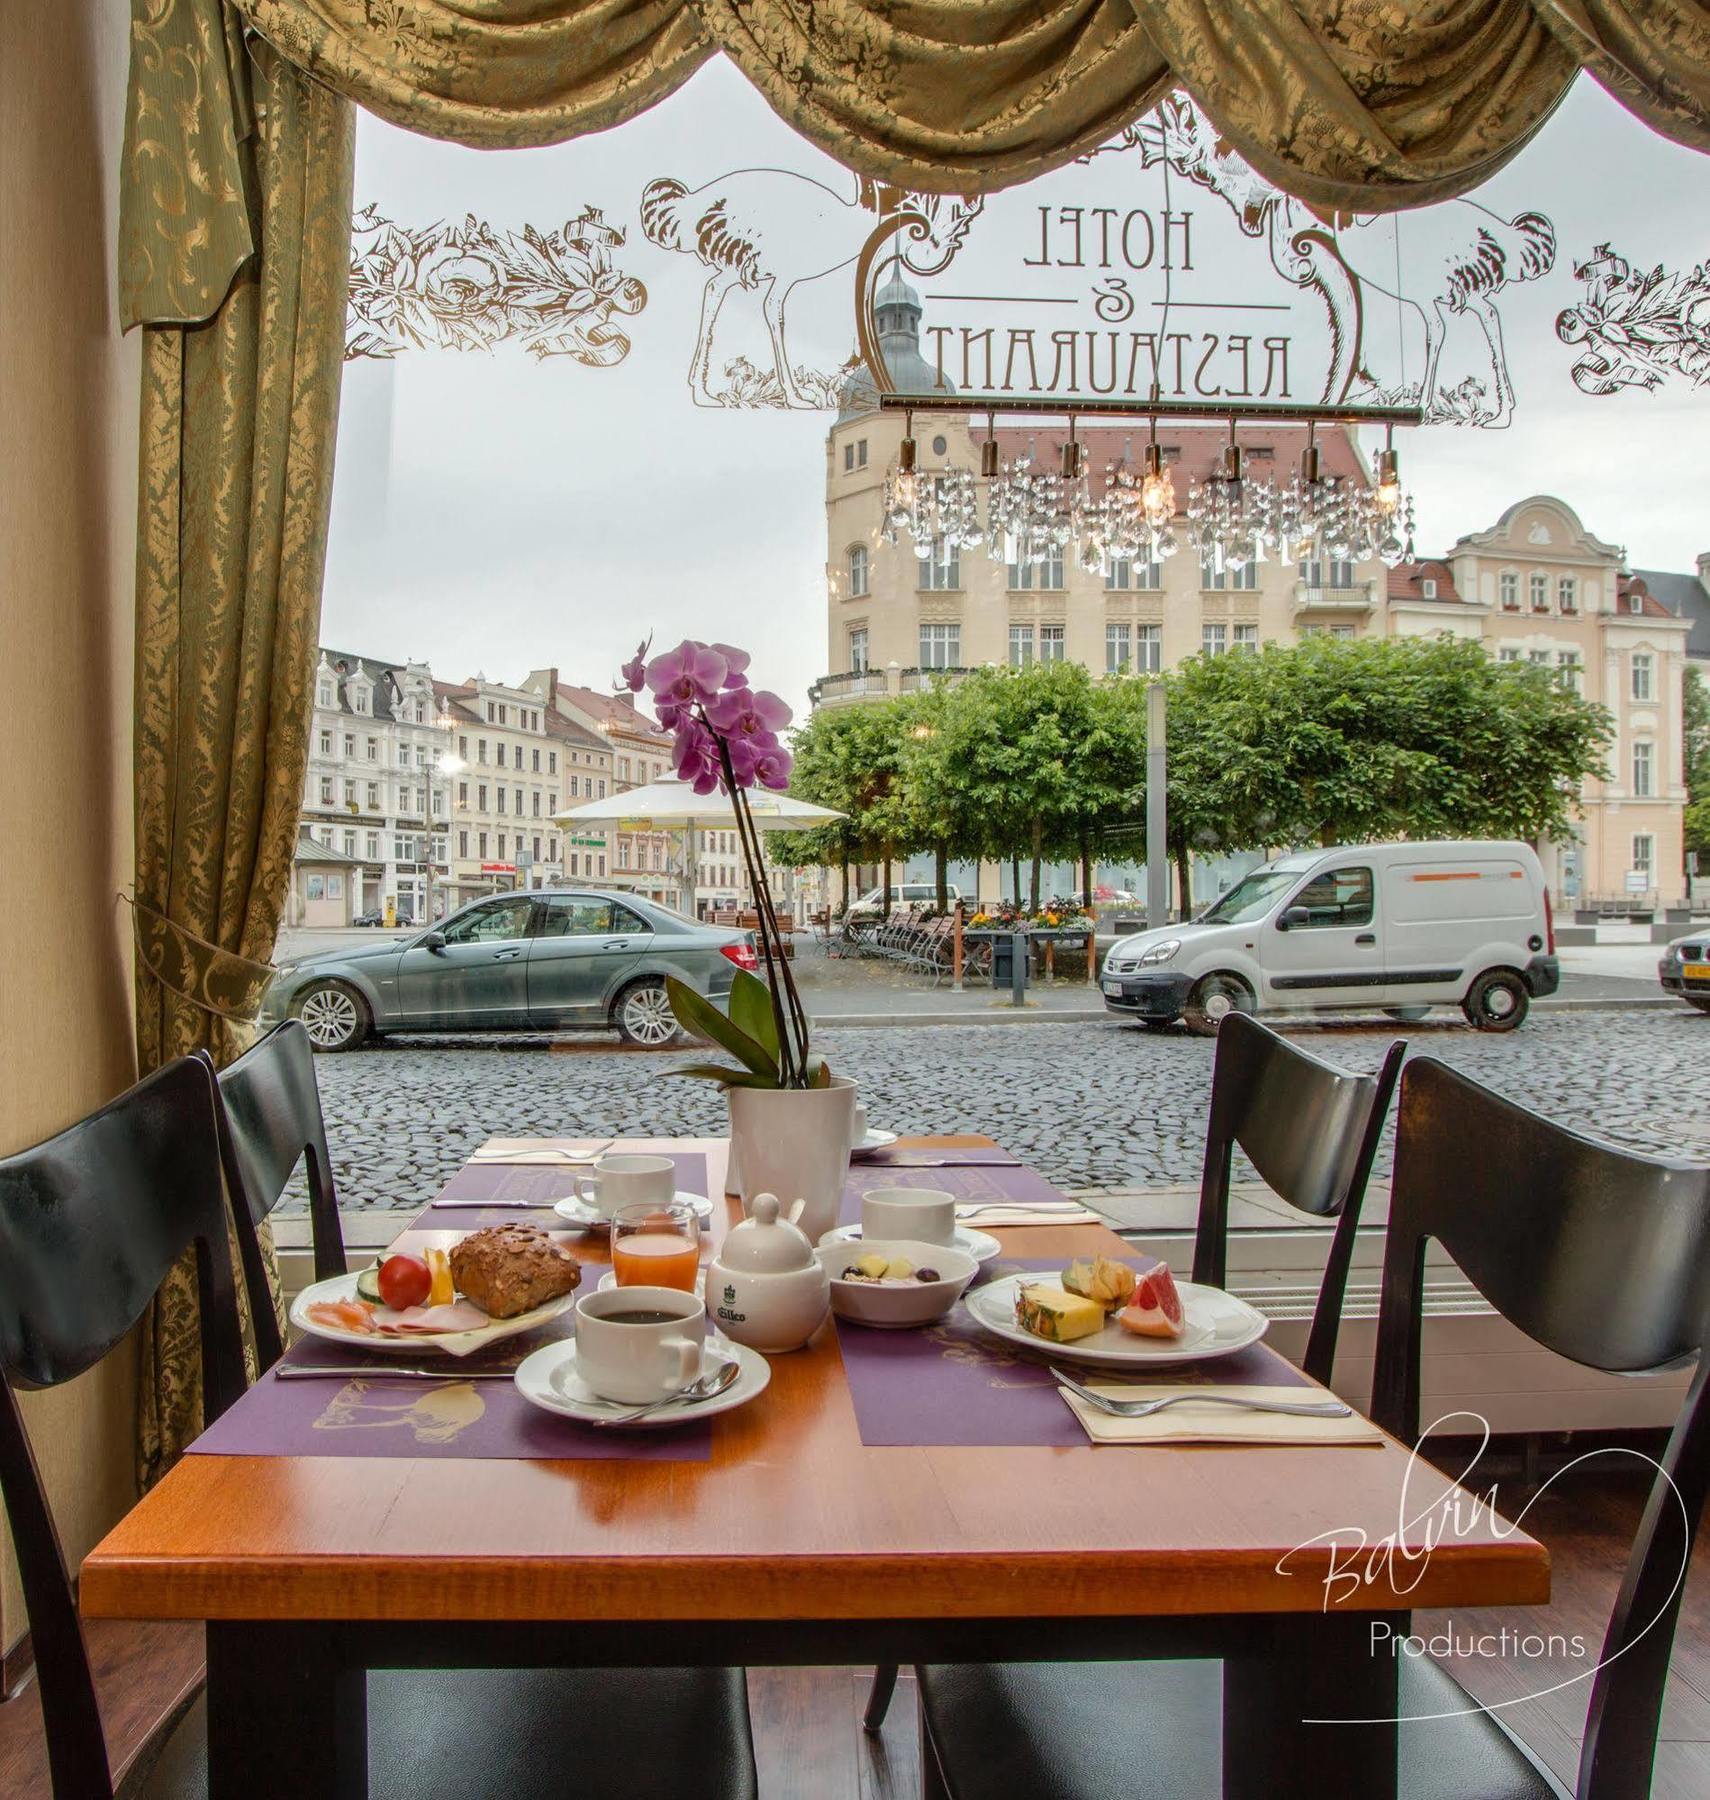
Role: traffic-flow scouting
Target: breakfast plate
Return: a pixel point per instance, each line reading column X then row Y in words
column 1217, row 1324
column 548, row 1379
column 980, row 1245
column 575, row 1211
column 339, row 1289
column 874, row 1140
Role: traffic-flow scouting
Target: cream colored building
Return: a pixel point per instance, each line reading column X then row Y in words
column 1536, row 585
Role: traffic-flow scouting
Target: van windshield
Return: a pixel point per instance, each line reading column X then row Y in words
column 1250, row 898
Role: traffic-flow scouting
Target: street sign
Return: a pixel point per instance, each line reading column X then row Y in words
column 498, row 868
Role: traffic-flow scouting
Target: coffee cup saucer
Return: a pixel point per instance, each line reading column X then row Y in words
column 548, row 1379
column 980, row 1245
column 573, row 1210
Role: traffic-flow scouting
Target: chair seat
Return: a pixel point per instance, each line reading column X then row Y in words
column 1088, row 1731
column 629, row 1734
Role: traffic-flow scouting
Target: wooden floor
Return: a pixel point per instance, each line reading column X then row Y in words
column 807, row 1722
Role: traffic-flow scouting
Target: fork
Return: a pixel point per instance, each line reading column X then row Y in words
column 1143, row 1409
column 522, row 1158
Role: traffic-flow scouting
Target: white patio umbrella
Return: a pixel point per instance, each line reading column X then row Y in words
column 675, row 806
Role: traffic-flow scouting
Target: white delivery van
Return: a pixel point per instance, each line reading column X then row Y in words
column 1394, row 927
column 903, row 894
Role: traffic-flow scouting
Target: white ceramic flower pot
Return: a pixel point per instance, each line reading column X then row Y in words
column 794, row 1142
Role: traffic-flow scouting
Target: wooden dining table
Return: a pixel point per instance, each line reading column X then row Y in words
column 795, row 1543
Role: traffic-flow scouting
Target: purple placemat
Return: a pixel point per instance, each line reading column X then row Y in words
column 954, row 1383
column 926, row 1158
column 371, row 1416
column 970, row 1184
column 523, row 1191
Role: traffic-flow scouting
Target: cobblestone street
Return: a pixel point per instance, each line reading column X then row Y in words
column 1100, row 1104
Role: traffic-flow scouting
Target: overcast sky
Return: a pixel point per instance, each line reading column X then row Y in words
column 493, row 512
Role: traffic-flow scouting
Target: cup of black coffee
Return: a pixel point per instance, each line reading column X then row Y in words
column 639, row 1344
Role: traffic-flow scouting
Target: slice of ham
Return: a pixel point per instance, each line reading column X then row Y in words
column 420, row 1321
column 1155, row 1309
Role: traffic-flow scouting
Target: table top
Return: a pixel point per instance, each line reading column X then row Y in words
column 794, row 1518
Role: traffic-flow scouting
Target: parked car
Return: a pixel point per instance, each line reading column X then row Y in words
column 373, row 917
column 1685, row 968
column 1394, row 927
column 903, row 893
column 544, row 959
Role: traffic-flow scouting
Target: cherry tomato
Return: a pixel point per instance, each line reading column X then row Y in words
column 404, row 1281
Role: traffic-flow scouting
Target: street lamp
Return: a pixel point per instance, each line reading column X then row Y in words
column 447, row 764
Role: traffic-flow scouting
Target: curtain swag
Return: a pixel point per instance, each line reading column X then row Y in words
column 1369, row 108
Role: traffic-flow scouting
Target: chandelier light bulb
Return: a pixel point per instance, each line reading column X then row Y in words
column 1388, row 491
column 1157, row 491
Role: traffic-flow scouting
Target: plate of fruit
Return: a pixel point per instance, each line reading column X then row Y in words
column 493, row 1284
column 1111, row 1315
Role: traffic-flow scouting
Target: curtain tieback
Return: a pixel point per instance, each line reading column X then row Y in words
column 218, row 981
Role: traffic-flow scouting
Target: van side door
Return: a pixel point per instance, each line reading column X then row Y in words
column 1322, row 946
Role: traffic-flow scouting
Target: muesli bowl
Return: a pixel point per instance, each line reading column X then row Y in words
column 896, row 1302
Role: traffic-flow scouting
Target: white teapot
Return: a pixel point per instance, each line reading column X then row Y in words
column 765, row 1288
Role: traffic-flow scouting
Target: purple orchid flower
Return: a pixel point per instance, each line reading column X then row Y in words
column 772, row 766
column 634, row 672
column 695, row 756
column 742, row 713
column 735, row 665
column 690, row 673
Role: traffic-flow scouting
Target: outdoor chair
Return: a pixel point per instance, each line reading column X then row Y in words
column 1311, row 1130
column 1600, row 1255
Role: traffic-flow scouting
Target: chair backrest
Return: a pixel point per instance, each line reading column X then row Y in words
column 1311, row 1130
column 90, row 1223
column 1603, row 1256
column 270, row 1120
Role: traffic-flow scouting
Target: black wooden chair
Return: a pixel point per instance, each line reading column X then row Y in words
column 90, row 1223
column 1598, row 1254
column 647, row 1731
column 1311, row 1130
column 270, row 1120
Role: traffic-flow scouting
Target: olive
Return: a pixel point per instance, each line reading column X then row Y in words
column 927, row 1275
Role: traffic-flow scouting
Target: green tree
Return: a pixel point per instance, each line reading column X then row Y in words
column 1695, row 719
column 849, row 758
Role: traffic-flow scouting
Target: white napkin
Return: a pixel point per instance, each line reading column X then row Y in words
column 1215, row 1424
column 557, row 1153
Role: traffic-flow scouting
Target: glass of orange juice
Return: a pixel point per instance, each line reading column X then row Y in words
column 656, row 1246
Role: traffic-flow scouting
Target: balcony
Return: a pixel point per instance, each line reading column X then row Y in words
column 914, row 681
column 855, row 684
column 1354, row 597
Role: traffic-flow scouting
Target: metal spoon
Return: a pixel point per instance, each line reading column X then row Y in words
column 1143, row 1409
column 714, row 1382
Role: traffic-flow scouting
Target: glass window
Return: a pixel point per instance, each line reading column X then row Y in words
column 1644, row 675
column 941, row 646
column 1247, row 637
column 1046, row 574
column 848, row 456
column 1020, row 645
column 1148, row 649
column 571, row 916
column 1643, row 758
column 857, row 569
column 1341, row 631
column 493, row 922
column 500, row 795
column 373, row 749
column 1569, row 671
column 326, row 790
column 350, row 843
column 325, row 697
column 1120, row 573
column 1510, row 584
column 1337, row 897
column 1116, row 650
column 1540, row 657
column 1428, row 588
column 350, row 746
column 1644, row 852
column 1250, row 898
column 374, row 796
column 936, row 574
column 1538, row 586
column 536, row 762
column 463, row 843
column 552, row 762
column 317, row 885
column 480, row 749
column 860, row 455
column 858, row 651
column 1149, row 576
column 326, row 743
column 1508, row 654
column 1567, row 593
column 1327, row 574
column 1051, row 643
column 1213, row 639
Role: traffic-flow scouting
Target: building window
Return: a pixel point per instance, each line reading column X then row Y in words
column 1116, row 650
column 481, row 750
column 1510, row 585
column 1635, row 603
column 941, row 646
column 1538, row 586
column 489, row 712
column 325, row 693
column 502, row 846
column 516, row 756
column 1539, row 657
column 350, row 746
column 1020, row 645
column 481, row 797
column 552, row 762
column 1247, row 637
column 552, row 805
column 374, row 846
column 1567, row 593
column 1644, row 675
column 374, row 750
column 937, row 575
column 1149, row 577
column 1569, row 671
column 374, row 796
column 499, row 798
column 1644, row 853
column 537, row 759
column 1148, row 649
column 1508, row 654
column 848, row 457
column 1047, row 574
column 1120, row 573
column 326, row 743
column 1242, row 577
column 463, row 843
column 481, row 845
column 1051, row 645
column 1213, row 640
column 326, row 790
column 1643, row 755
column 857, row 570
column 858, row 651
column 536, row 799
column 359, row 699
column 1428, row 589
column 1341, row 631
column 1331, row 574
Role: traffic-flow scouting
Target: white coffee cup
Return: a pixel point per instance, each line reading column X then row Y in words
column 927, row 1215
column 619, row 1181
column 634, row 1361
column 858, row 1130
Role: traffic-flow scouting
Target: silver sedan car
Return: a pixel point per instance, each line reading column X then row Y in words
column 544, row 959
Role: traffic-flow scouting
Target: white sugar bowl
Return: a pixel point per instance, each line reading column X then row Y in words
column 765, row 1287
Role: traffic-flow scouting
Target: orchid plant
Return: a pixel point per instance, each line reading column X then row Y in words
column 725, row 735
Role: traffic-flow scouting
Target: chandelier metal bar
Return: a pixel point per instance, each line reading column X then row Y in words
column 1211, row 411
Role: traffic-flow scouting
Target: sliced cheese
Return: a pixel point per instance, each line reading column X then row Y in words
column 1050, row 1312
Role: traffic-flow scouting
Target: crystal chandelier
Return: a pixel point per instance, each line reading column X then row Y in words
column 1027, row 515
column 1232, row 518
column 938, row 510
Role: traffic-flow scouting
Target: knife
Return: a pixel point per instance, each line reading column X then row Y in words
column 318, row 1372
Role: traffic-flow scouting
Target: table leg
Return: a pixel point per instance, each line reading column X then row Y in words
column 1302, row 1667
column 285, row 1717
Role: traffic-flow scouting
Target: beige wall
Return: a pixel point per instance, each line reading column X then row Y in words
column 67, row 484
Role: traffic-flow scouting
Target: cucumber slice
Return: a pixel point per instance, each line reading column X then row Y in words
column 368, row 1284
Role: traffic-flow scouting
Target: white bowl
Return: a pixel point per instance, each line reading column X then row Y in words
column 894, row 1305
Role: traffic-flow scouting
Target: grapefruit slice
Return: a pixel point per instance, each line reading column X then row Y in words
column 1155, row 1309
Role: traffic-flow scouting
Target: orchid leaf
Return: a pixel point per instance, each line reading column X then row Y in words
column 751, row 1012
column 818, row 1074
column 729, row 1077
column 696, row 1013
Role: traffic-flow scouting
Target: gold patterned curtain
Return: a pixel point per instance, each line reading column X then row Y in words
column 238, row 419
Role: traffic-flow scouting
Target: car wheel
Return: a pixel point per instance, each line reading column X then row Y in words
column 1497, row 1001
column 335, row 1016
column 643, row 1015
column 1213, row 999
column 1406, row 1015
column 1692, row 1000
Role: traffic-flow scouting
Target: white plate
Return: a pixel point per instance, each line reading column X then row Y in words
column 1218, row 1324
column 874, row 1140
column 980, row 1245
column 548, row 1379
column 578, row 1212
column 453, row 1343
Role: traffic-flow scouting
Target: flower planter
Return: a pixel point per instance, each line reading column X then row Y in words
column 794, row 1142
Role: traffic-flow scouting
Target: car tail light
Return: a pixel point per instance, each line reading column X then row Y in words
column 742, row 953
column 1549, row 924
